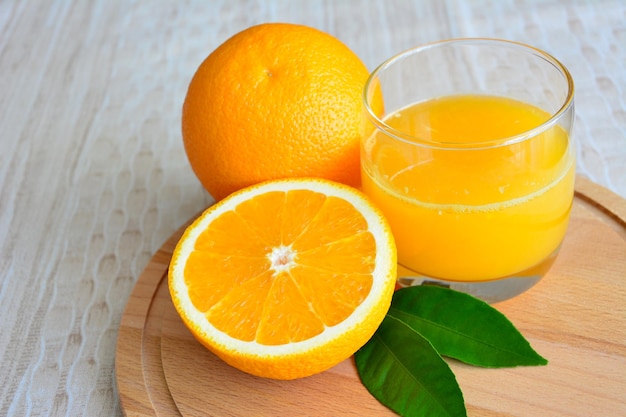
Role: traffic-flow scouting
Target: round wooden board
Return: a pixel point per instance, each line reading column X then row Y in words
column 575, row 317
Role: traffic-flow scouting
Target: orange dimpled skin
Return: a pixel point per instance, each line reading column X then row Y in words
column 276, row 100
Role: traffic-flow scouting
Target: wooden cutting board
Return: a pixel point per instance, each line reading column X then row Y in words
column 575, row 317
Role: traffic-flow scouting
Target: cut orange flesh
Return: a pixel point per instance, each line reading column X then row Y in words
column 287, row 278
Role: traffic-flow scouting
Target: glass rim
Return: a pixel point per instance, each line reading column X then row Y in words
column 504, row 141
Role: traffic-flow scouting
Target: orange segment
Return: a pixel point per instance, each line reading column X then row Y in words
column 237, row 313
column 286, row 278
column 210, row 276
column 288, row 316
column 300, row 209
column 333, row 296
column 335, row 220
column 224, row 236
column 262, row 214
column 350, row 255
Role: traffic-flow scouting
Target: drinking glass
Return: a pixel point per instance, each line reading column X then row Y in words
column 467, row 149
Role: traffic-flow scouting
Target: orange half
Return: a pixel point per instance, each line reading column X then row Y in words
column 287, row 278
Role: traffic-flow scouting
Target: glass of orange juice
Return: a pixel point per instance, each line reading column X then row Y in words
column 468, row 152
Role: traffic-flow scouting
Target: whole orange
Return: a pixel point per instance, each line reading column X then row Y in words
column 276, row 100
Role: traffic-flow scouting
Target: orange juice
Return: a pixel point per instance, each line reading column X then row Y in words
column 463, row 205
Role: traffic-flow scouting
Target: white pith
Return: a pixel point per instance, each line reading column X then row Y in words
column 282, row 258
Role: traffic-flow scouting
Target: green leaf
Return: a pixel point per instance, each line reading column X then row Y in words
column 463, row 327
column 403, row 371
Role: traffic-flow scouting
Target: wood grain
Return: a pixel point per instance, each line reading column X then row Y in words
column 574, row 317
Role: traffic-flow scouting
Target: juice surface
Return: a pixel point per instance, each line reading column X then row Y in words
column 471, row 214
